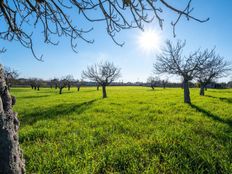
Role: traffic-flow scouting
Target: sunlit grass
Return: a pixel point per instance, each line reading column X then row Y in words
column 134, row 130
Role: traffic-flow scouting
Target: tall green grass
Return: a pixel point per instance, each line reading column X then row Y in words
column 134, row 130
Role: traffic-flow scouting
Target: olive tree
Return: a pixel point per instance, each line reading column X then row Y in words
column 215, row 67
column 172, row 61
column 20, row 18
column 103, row 74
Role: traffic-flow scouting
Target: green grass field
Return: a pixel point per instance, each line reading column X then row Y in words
column 134, row 130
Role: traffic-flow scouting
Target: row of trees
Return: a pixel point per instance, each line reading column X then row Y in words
column 201, row 66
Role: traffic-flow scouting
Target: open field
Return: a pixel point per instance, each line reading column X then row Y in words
column 134, row 130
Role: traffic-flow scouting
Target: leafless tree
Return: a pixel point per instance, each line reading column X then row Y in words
column 153, row 82
column 215, row 67
column 55, row 82
column 69, row 81
column 172, row 61
column 38, row 83
column 10, row 76
column 103, row 74
column 164, row 83
column 79, row 83
column 32, row 82
column 62, row 83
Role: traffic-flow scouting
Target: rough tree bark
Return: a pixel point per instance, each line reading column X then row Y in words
column 104, row 92
column 11, row 159
column 186, row 92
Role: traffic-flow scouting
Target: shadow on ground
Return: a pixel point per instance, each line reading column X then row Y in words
column 228, row 100
column 55, row 112
column 32, row 96
column 211, row 115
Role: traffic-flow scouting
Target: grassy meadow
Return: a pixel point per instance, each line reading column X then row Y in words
column 134, row 130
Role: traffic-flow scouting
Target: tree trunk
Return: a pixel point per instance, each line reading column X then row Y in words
column 11, row 159
column 97, row 88
column 104, row 92
column 68, row 88
column 38, row 88
column 78, row 88
column 186, row 92
column 60, row 91
column 202, row 90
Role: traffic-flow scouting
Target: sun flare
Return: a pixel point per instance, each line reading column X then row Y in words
column 149, row 41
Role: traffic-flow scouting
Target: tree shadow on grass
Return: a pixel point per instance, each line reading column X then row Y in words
column 211, row 115
column 32, row 96
column 220, row 91
column 228, row 100
column 55, row 112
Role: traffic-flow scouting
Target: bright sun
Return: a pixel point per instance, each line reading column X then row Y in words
column 149, row 41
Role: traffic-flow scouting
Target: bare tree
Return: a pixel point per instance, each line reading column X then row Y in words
column 153, row 82
column 103, row 74
column 32, row 82
column 215, row 67
column 164, row 83
column 55, row 82
column 69, row 81
column 172, row 61
column 10, row 76
column 38, row 83
column 79, row 83
column 62, row 83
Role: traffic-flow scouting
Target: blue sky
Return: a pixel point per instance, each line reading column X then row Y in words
column 134, row 63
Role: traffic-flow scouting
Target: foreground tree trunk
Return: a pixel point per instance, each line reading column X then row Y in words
column 11, row 159
column 104, row 92
column 97, row 88
column 78, row 88
column 202, row 90
column 186, row 92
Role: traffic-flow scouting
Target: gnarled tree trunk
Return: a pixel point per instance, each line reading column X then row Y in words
column 11, row 159
column 186, row 92
column 104, row 92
